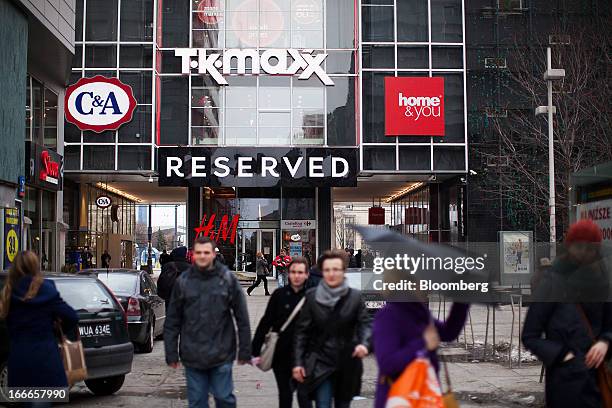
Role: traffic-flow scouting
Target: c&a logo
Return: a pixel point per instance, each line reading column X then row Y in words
column 414, row 106
column 99, row 103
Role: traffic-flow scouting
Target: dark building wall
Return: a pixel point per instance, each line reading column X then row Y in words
column 13, row 70
column 496, row 31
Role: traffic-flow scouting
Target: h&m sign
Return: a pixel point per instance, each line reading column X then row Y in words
column 257, row 167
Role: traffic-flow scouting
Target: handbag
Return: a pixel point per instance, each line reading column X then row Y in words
column 604, row 377
column 416, row 387
column 73, row 358
column 269, row 346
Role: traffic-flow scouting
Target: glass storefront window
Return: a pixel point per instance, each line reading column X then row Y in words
column 48, row 230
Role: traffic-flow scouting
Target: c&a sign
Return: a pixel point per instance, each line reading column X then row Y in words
column 99, row 103
column 414, row 106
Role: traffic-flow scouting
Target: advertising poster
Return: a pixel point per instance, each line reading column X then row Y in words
column 295, row 249
column 12, row 232
column 515, row 252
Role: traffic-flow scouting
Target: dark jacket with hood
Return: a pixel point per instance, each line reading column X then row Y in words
column 324, row 341
column 34, row 358
column 170, row 271
column 564, row 289
column 202, row 310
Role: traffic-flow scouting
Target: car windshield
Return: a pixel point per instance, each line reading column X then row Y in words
column 119, row 283
column 84, row 294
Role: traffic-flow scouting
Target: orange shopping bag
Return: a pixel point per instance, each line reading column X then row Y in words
column 416, row 387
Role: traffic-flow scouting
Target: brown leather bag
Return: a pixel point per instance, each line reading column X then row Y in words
column 73, row 358
column 604, row 376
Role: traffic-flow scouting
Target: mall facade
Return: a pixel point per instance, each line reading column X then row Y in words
column 272, row 111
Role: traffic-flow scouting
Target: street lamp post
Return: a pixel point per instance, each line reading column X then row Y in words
column 551, row 75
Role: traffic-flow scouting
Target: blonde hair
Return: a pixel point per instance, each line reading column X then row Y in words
column 26, row 263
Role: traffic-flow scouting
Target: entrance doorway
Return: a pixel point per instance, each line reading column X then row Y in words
column 252, row 241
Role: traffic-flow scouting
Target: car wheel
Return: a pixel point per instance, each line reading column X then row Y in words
column 147, row 346
column 105, row 386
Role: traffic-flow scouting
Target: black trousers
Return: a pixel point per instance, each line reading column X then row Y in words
column 255, row 284
column 286, row 386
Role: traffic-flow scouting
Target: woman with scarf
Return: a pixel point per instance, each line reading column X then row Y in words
column 332, row 336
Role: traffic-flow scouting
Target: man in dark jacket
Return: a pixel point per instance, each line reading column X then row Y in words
column 281, row 305
column 170, row 271
column 165, row 257
column 206, row 302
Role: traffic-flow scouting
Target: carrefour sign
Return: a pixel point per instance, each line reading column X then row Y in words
column 272, row 61
column 99, row 103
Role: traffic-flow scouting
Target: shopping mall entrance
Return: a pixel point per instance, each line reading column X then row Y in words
column 252, row 241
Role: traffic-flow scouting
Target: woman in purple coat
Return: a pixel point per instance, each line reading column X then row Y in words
column 403, row 329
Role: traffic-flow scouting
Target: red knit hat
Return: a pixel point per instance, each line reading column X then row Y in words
column 584, row 231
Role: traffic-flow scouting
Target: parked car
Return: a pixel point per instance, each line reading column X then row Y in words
column 103, row 329
column 137, row 293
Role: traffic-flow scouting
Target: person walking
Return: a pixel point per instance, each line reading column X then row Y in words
column 281, row 262
column 358, row 263
column 569, row 324
column 281, row 305
column 261, row 269
column 31, row 305
column 404, row 330
column 332, row 335
column 105, row 259
column 206, row 307
column 170, row 271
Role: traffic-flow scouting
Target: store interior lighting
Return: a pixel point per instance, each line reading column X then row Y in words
column 403, row 192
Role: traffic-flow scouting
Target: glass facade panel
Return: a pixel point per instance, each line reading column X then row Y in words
column 378, row 158
column 134, row 158
column 98, row 157
column 138, row 130
column 135, row 56
column 100, row 56
column 174, row 112
column 446, row 21
column 137, row 20
column 412, row 20
column 101, row 20
column 412, row 57
column 377, row 24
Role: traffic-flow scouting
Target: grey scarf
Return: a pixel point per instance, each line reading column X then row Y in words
column 330, row 296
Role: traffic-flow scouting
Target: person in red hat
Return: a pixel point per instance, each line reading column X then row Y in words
column 569, row 324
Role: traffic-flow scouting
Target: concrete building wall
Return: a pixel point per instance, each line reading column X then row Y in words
column 13, row 54
column 57, row 16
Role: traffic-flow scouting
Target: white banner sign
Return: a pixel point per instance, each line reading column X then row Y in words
column 600, row 212
column 298, row 224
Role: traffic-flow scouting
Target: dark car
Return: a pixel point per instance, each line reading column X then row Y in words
column 137, row 293
column 102, row 328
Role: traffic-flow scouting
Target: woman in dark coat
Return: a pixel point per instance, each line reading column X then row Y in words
column 332, row 336
column 574, row 290
column 261, row 269
column 31, row 305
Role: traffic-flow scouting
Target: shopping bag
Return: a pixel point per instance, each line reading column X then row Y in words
column 73, row 358
column 416, row 387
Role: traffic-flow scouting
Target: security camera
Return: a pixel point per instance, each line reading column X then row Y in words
column 150, row 179
column 473, row 173
column 432, row 177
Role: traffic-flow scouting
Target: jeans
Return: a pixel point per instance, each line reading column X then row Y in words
column 324, row 395
column 216, row 380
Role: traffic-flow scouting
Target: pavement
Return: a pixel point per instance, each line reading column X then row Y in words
column 476, row 383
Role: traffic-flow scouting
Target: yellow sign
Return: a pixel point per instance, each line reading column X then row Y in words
column 12, row 245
